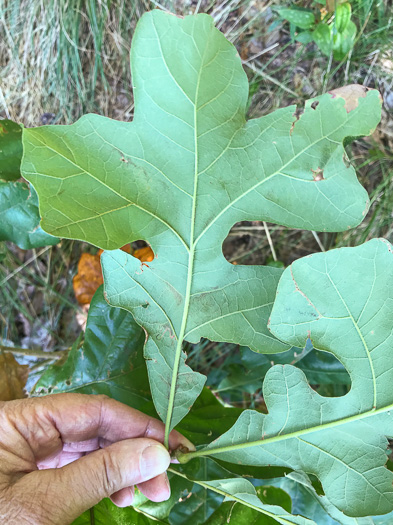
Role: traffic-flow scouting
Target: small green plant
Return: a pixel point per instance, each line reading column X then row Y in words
column 178, row 177
column 328, row 24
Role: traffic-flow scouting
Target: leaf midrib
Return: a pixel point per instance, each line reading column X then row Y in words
column 283, row 437
column 191, row 253
column 368, row 353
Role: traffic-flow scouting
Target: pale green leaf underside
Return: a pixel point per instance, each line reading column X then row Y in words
column 179, row 176
column 19, row 217
column 343, row 301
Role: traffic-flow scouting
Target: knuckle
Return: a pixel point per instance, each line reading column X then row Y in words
column 110, row 473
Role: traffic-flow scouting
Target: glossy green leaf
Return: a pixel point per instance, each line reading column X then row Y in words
column 343, row 301
column 202, row 503
column 19, row 217
column 106, row 513
column 207, row 419
column 342, row 16
column 180, row 488
column 303, row 18
column 242, row 491
column 179, row 176
column 197, row 508
column 10, row 150
column 213, row 478
column 234, row 513
column 245, row 374
column 110, row 361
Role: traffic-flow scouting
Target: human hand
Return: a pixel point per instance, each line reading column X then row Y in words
column 62, row 454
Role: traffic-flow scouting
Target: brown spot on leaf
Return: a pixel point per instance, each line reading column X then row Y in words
column 298, row 113
column 3, row 130
column 351, row 94
column 318, row 174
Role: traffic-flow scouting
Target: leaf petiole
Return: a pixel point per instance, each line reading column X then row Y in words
column 186, row 457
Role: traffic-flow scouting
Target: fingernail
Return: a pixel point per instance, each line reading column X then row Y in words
column 154, row 460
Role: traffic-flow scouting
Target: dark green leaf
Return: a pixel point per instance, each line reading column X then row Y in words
column 10, row 150
column 236, row 514
column 323, row 368
column 180, row 488
column 19, row 217
column 110, row 362
column 197, row 506
column 106, row 513
column 207, row 418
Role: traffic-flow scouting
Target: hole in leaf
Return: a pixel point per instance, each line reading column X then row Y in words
column 68, row 382
column 246, row 243
column 142, row 251
column 316, row 484
column 298, row 112
column 325, row 373
column 314, row 105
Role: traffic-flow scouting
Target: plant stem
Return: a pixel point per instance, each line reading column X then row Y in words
column 185, row 457
column 31, row 353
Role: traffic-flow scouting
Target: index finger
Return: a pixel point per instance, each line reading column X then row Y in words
column 80, row 417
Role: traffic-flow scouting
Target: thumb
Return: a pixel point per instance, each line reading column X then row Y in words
column 85, row 482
